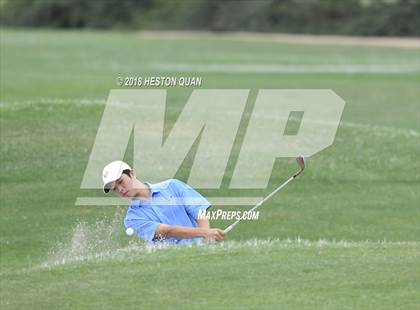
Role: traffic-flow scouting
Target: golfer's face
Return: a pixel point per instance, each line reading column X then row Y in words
column 123, row 186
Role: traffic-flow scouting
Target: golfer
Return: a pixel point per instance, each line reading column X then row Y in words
column 166, row 211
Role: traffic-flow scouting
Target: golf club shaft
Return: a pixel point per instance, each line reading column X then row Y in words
column 230, row 227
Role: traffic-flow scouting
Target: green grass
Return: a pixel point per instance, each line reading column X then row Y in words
column 364, row 187
column 296, row 275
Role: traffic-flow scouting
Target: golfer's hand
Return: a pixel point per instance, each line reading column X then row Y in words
column 214, row 234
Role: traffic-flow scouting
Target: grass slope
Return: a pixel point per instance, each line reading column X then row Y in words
column 253, row 274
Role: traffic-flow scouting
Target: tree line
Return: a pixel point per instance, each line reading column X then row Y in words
column 346, row 17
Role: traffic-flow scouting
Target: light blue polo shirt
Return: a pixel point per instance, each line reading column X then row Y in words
column 173, row 203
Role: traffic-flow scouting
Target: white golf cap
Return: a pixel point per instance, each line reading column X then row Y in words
column 113, row 172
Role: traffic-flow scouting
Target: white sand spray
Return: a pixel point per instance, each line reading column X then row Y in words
column 92, row 240
column 87, row 246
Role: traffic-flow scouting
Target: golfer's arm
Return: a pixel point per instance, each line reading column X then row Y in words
column 203, row 223
column 179, row 232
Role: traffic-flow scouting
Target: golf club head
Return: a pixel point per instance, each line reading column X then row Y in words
column 301, row 162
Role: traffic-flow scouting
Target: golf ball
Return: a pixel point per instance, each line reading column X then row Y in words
column 129, row 231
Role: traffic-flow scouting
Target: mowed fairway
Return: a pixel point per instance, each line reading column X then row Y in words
column 344, row 236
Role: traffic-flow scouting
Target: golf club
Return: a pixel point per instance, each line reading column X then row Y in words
column 301, row 162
